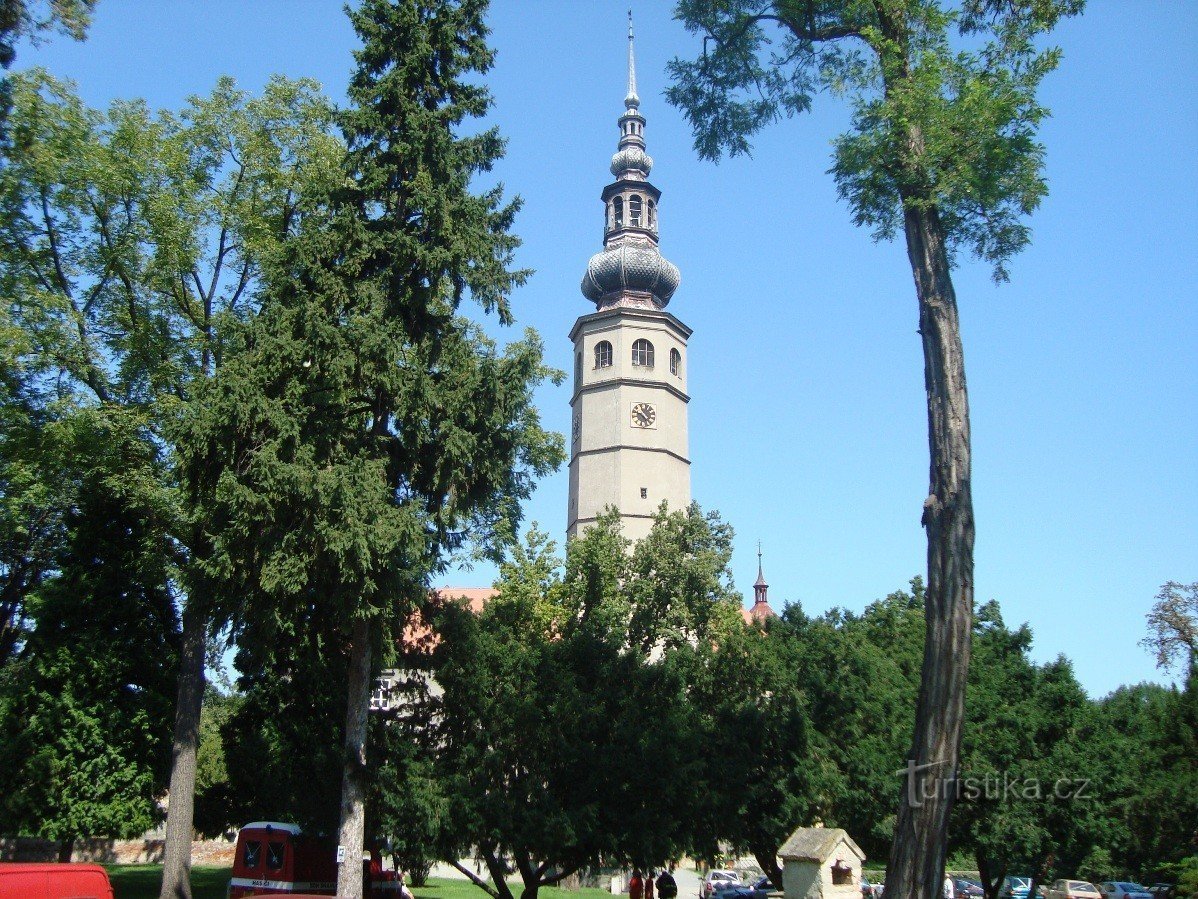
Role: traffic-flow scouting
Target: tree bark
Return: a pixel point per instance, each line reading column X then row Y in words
column 916, row 869
column 767, row 860
column 176, row 859
column 353, row 781
column 66, row 848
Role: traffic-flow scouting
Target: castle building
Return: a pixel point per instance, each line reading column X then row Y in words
column 628, row 443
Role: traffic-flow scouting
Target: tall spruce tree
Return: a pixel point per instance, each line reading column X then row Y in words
column 363, row 427
column 942, row 149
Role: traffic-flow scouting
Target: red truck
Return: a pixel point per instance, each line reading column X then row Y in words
column 22, row 880
column 276, row 859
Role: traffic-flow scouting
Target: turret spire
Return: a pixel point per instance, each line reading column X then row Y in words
column 630, row 271
column 632, row 101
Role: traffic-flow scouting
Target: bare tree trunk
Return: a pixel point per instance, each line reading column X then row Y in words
column 916, row 869
column 66, row 848
column 353, row 780
column 176, row 859
column 767, row 860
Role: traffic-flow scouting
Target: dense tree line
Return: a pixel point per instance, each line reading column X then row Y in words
column 560, row 735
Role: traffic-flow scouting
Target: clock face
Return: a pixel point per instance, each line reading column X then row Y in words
column 643, row 415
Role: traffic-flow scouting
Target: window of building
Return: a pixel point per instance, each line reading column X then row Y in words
column 644, row 493
column 652, row 214
column 634, row 211
column 578, row 370
column 603, row 354
column 642, row 353
column 675, row 363
column 618, row 205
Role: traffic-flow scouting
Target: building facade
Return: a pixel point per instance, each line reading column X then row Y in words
column 628, row 441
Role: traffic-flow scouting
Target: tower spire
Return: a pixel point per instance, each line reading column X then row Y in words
column 630, row 271
column 632, row 101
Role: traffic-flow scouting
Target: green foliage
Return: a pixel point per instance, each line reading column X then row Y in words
column 85, row 708
column 590, row 749
column 944, row 102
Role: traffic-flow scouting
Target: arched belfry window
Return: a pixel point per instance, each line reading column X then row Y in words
column 652, row 214
column 618, row 207
column 642, row 353
column 675, row 363
column 634, row 211
column 603, row 354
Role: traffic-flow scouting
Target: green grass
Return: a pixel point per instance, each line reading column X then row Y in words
column 144, row 881
column 448, row 888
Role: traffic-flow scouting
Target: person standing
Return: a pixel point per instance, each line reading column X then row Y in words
column 649, row 885
column 667, row 887
column 636, row 886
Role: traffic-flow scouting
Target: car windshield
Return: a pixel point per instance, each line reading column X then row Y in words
column 1131, row 887
column 1021, row 883
column 723, row 875
column 1080, row 885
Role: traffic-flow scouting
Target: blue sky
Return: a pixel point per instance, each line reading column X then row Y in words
column 807, row 420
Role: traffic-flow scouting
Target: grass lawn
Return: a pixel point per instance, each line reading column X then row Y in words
column 448, row 888
column 144, row 881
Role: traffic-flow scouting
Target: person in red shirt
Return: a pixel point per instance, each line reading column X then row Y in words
column 636, row 886
column 649, row 886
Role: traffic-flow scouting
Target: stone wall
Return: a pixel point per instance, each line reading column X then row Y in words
column 112, row 852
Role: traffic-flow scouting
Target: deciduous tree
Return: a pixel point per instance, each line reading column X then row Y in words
column 942, row 146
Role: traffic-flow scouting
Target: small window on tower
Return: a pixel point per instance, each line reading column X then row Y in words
column 644, row 493
column 578, row 370
column 652, row 214
column 642, row 353
column 603, row 354
column 618, row 205
column 634, row 211
column 675, row 363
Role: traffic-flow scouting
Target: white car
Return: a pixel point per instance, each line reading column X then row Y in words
column 1073, row 889
column 707, row 887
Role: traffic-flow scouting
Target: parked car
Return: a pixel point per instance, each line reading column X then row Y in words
column 1163, row 890
column 1073, row 889
column 964, row 888
column 713, row 877
column 1122, row 889
column 1014, row 887
column 24, row 880
column 758, row 889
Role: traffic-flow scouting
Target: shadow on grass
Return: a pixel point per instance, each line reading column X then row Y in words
column 144, row 881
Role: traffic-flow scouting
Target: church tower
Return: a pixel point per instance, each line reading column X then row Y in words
column 628, row 444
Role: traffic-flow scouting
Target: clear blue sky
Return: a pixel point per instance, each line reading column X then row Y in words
column 807, row 415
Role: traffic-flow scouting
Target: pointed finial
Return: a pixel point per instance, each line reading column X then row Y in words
column 760, row 577
column 632, row 101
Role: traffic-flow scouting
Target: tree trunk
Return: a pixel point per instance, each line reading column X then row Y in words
column 66, row 849
column 992, row 875
column 768, row 862
column 176, row 857
column 916, row 869
column 353, row 779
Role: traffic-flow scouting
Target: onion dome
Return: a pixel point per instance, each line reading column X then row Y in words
column 631, row 160
column 630, row 267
